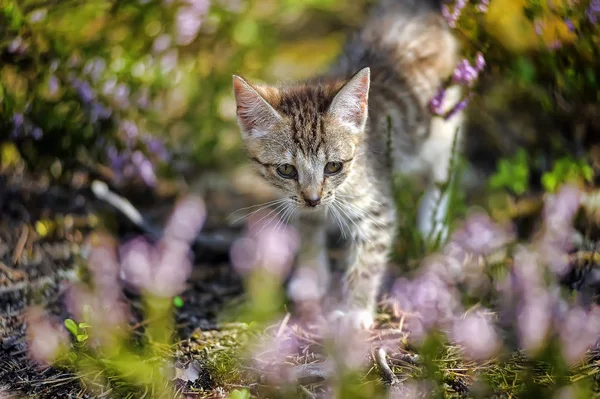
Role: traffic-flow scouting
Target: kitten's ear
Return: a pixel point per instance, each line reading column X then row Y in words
column 350, row 104
column 255, row 115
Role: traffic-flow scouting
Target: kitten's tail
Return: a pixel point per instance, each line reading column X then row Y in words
column 415, row 41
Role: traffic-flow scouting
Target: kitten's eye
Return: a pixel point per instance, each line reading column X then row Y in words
column 287, row 171
column 332, row 168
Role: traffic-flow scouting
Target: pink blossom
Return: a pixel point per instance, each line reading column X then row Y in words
column 46, row 339
column 477, row 336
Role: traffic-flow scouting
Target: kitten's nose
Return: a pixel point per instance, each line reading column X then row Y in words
column 312, row 200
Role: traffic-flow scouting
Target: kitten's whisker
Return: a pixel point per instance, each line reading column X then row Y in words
column 338, row 219
column 281, row 208
column 344, row 211
column 261, row 207
column 361, row 212
column 277, row 210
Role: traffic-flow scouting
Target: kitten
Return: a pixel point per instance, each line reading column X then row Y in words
column 333, row 143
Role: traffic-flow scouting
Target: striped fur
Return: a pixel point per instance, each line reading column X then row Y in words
column 370, row 113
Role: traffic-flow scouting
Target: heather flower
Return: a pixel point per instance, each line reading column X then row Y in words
column 437, row 102
column 269, row 244
column 480, row 235
column 46, row 340
column 137, row 258
column 157, row 147
column 84, row 90
column 38, row 15
column 16, row 45
column 53, row 85
column 466, row 74
column 476, row 335
column 593, row 11
column 452, row 17
column 189, row 18
column 483, row 6
column 570, row 25
column 429, row 300
column 161, row 43
column 578, row 332
column 558, row 233
column 458, row 107
column 534, row 320
column 121, row 95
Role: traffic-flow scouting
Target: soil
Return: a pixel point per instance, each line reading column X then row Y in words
column 43, row 226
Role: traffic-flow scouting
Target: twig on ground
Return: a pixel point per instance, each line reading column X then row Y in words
column 308, row 393
column 311, row 373
column 386, row 372
column 20, row 244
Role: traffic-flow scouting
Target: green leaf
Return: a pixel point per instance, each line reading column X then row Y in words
column 71, row 326
column 178, row 302
column 84, row 325
column 82, row 337
column 237, row 394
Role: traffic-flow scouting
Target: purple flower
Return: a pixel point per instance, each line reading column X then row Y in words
column 483, row 6
column 37, row 133
column 479, row 62
column 18, row 120
column 458, row 107
column 593, row 11
column 157, row 147
column 477, row 336
column 578, row 332
column 38, row 15
column 452, row 17
column 161, row 43
column 480, row 235
column 570, row 25
column 137, row 257
column 84, row 90
column 437, row 102
column 16, row 45
column 269, row 244
column 130, row 129
column 465, row 73
column 53, row 85
column 46, row 339
column 146, row 172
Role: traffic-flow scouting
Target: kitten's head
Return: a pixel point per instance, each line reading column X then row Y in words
column 304, row 138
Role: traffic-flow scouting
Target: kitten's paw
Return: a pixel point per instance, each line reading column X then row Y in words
column 354, row 319
column 306, row 286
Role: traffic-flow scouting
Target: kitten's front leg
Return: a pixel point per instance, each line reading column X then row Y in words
column 311, row 278
column 369, row 253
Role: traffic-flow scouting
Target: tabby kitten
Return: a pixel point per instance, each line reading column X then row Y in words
column 332, row 144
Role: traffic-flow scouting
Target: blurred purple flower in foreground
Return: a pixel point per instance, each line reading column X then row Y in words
column 480, row 235
column 593, row 11
column 269, row 244
column 558, row 233
column 189, row 19
column 163, row 269
column 476, row 334
column 46, row 339
column 579, row 331
column 104, row 305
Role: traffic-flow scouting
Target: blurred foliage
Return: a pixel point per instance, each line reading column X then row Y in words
column 113, row 82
